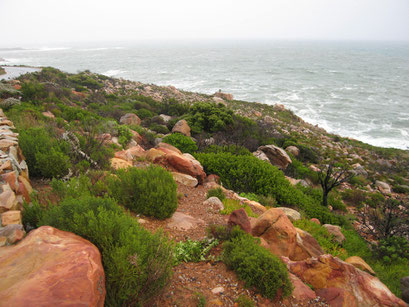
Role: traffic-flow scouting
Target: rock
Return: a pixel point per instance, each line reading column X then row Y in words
column 239, row 217
column 181, row 221
column 292, row 214
column 184, row 179
column 218, row 100
column 337, row 297
column 314, row 168
column 293, row 150
column 183, row 165
column 306, row 246
column 261, row 155
column 5, row 144
column 24, row 188
column 316, row 221
column 218, row 290
column 166, row 118
column 359, row 263
column 11, row 217
column 358, row 287
column 336, row 232
column 276, row 155
column 162, row 146
column 279, row 107
column 268, row 120
column 136, row 137
column 119, row 163
column 301, row 291
column 404, row 286
column 153, row 153
column 51, row 267
column 130, row 119
column 212, row 178
column 278, row 231
column 48, row 114
column 182, row 127
column 3, row 241
column 11, row 179
column 8, row 199
column 12, row 233
column 224, row 96
column 383, row 187
column 213, row 202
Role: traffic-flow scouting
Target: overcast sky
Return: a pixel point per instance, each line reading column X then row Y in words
column 28, row 22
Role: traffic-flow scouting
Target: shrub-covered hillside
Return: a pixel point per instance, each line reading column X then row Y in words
column 156, row 178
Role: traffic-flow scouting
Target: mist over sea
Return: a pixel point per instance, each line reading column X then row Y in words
column 354, row 89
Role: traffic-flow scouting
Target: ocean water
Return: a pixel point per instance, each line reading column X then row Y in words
column 354, row 89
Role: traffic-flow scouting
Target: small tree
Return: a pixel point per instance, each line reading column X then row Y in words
column 330, row 179
column 387, row 220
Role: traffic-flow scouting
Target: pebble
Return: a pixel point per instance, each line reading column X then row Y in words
column 218, row 290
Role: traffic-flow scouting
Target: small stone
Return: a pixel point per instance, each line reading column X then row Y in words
column 213, row 202
column 218, row 290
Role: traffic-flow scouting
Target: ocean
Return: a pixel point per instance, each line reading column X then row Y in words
column 354, row 89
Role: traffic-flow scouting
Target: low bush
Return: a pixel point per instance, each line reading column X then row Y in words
column 209, row 117
column 233, row 149
column 159, row 128
column 257, row 266
column 150, row 191
column 182, row 142
column 194, row 251
column 393, row 249
column 46, row 156
column 231, row 205
column 137, row 264
column 144, row 113
column 124, row 135
column 251, row 175
column 354, row 197
column 244, row 301
column 217, row 192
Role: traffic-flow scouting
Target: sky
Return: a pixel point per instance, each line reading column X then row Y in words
column 54, row 22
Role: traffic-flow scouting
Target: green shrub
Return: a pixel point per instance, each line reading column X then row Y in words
column 250, row 196
column 257, row 266
column 33, row 92
column 150, row 191
column 201, row 299
column 144, row 113
column 393, row 249
column 217, row 192
column 180, row 141
column 231, row 205
column 137, row 263
column 401, row 189
column 159, row 128
column 244, row 301
column 174, row 108
column 297, row 170
column 46, row 156
column 354, row 197
column 209, row 117
column 194, row 251
column 251, row 175
column 233, row 149
column 124, row 135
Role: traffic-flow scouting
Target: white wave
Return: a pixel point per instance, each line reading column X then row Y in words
column 42, row 49
column 94, row 49
column 113, row 72
column 16, row 61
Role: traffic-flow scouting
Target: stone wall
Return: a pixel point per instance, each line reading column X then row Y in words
column 15, row 187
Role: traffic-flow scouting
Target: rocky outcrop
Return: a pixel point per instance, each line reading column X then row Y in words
column 292, row 214
column 341, row 283
column 51, row 267
column 276, row 155
column 130, row 119
column 301, row 291
column 182, row 127
column 282, row 238
column 224, row 96
column 383, row 187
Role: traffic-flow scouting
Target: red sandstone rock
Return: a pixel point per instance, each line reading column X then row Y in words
column 306, row 246
column 182, row 127
column 337, row 297
column 301, row 291
column 11, row 179
column 164, row 146
column 239, row 217
column 316, row 221
column 130, row 119
column 183, row 165
column 51, row 267
column 327, row 271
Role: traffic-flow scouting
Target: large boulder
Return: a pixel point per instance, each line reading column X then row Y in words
column 117, row 163
column 293, row 150
column 182, row 164
column 130, row 119
column 261, row 155
column 184, row 179
column 182, row 127
column 358, row 288
column 276, row 155
column 278, row 231
column 301, row 291
column 166, row 148
column 51, row 267
column 292, row 214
